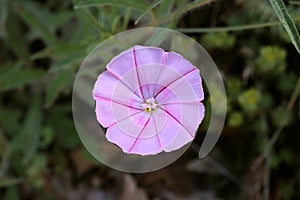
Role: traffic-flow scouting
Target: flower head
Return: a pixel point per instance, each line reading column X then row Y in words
column 150, row 100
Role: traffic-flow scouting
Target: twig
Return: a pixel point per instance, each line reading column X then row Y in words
column 267, row 171
column 267, row 175
column 222, row 170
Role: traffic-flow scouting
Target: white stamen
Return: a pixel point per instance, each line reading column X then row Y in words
column 150, row 105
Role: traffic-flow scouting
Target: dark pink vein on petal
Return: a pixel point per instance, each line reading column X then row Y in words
column 163, row 61
column 137, row 73
column 119, row 78
column 97, row 97
column 124, row 119
column 156, row 130
column 136, row 139
column 192, row 102
column 191, row 134
column 185, row 74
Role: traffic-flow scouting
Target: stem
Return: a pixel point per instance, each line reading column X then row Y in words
column 232, row 28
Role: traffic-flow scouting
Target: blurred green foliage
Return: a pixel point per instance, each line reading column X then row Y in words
column 271, row 59
column 236, row 119
column 218, row 40
column 43, row 42
column 249, row 100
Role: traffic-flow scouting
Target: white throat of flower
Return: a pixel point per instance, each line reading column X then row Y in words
column 150, row 105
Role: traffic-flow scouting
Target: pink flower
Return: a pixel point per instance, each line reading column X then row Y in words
column 149, row 100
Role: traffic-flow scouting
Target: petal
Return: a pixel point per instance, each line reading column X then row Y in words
column 108, row 86
column 148, row 55
column 193, row 115
column 149, row 75
column 187, row 89
column 148, row 61
column 142, row 146
column 181, row 139
column 188, row 115
column 115, row 135
column 146, row 146
column 124, row 64
column 133, row 125
column 174, row 67
column 138, row 144
column 178, row 63
column 120, row 137
column 168, row 96
column 108, row 112
column 162, row 130
column 167, row 131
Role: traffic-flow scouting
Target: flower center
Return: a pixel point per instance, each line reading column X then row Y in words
column 150, row 105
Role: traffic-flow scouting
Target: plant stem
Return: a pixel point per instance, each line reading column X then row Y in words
column 231, row 28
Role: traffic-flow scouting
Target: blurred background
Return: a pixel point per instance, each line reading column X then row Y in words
column 42, row 44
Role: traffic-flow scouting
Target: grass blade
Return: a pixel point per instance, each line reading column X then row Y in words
column 297, row 3
column 137, row 4
column 288, row 23
column 232, row 28
column 153, row 5
column 182, row 10
column 32, row 129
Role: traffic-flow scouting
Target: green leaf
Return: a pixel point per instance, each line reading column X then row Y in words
column 190, row 6
column 234, row 86
column 10, row 120
column 36, row 168
column 11, row 194
column 14, row 37
column 288, row 23
column 63, row 126
column 271, row 60
column 32, row 129
column 59, row 51
column 15, row 77
column 182, row 9
column 8, row 182
column 47, row 137
column 137, row 4
column 60, row 18
column 59, row 83
column 4, row 8
column 90, row 20
column 222, row 40
column 36, row 20
column 67, row 62
column 236, row 119
column 4, row 153
column 249, row 99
